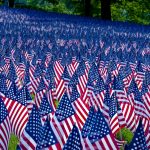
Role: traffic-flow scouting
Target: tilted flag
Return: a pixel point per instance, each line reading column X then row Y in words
column 106, row 103
column 21, row 96
column 74, row 94
column 88, row 123
column 100, row 136
column 62, row 86
column 59, row 69
column 11, row 93
column 51, row 94
column 139, row 106
column 3, row 87
column 73, row 141
column 18, row 115
column 82, row 72
column 27, row 81
column 32, row 132
column 98, row 93
column 40, row 93
column 113, row 113
column 139, row 76
column 5, row 127
column 63, row 120
column 80, row 107
column 47, row 138
column 138, row 141
column 127, row 76
column 146, row 96
column 45, row 109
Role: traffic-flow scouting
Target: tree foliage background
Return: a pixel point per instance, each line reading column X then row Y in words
column 137, row 11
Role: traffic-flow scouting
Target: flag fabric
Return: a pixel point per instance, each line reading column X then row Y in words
column 73, row 141
column 47, row 138
column 18, row 115
column 81, row 112
column 32, row 132
column 113, row 113
column 64, row 85
column 100, row 136
column 138, row 141
column 5, row 127
column 63, row 120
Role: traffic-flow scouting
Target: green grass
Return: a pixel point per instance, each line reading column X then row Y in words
column 13, row 142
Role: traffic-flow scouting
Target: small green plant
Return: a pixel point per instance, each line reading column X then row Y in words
column 126, row 134
column 32, row 96
column 56, row 102
column 13, row 142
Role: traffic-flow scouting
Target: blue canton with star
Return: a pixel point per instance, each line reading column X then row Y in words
column 64, row 109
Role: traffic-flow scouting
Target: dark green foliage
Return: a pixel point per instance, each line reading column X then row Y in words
column 137, row 11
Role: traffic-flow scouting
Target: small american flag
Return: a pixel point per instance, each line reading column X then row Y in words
column 74, row 140
column 5, row 127
column 138, row 141
column 32, row 132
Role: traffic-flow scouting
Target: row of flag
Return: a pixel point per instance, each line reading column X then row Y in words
column 100, row 90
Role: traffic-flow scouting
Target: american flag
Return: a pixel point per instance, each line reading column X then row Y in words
column 100, row 136
column 3, row 87
column 5, row 127
column 74, row 94
column 11, row 93
column 59, row 69
column 21, row 96
column 88, row 123
column 138, row 141
column 73, row 66
column 6, row 66
column 113, row 113
column 122, row 122
column 106, row 103
column 48, row 59
column 11, row 76
column 62, row 86
column 82, row 72
column 47, row 138
column 128, row 76
column 51, row 94
column 74, row 140
column 18, row 115
column 81, row 112
column 74, row 79
column 32, row 132
column 40, row 93
column 98, row 93
column 50, row 73
column 45, row 109
column 139, row 76
column 114, row 69
column 63, row 120
column 146, row 100
column 27, row 78
column 139, row 106
column 34, row 81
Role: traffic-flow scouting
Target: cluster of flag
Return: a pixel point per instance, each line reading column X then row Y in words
column 102, row 85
